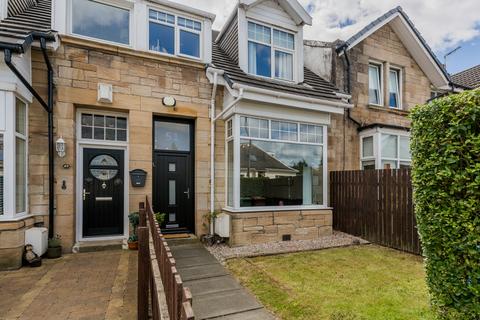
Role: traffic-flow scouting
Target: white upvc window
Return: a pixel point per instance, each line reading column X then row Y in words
column 105, row 20
column 13, row 157
column 103, row 127
column 173, row 34
column 375, row 92
column 271, row 52
column 385, row 149
column 394, row 83
column 275, row 164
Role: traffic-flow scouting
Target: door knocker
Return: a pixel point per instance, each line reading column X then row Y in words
column 104, row 185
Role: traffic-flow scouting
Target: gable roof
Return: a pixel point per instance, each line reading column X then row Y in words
column 469, row 78
column 313, row 86
column 411, row 38
column 256, row 158
column 292, row 7
column 18, row 31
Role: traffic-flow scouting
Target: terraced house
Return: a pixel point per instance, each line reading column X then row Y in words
column 247, row 120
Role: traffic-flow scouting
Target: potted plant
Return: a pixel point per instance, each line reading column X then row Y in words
column 160, row 217
column 54, row 249
column 134, row 219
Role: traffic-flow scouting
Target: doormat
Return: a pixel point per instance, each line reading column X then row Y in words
column 176, row 236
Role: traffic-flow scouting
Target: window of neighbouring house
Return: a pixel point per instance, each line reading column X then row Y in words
column 279, row 163
column 374, row 84
column 394, row 86
column 101, row 21
column 103, row 127
column 385, row 150
column 175, row 35
column 20, row 156
column 270, row 52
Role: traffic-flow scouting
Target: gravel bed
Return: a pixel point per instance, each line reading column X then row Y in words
column 338, row 239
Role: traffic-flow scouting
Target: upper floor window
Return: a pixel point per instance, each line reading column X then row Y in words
column 101, row 127
column 374, row 84
column 101, row 21
column 394, row 84
column 262, row 51
column 172, row 34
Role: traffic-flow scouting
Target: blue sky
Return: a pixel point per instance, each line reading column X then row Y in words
column 445, row 24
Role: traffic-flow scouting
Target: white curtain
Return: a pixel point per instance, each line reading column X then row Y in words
column 283, row 65
column 252, row 58
column 393, row 89
column 373, row 85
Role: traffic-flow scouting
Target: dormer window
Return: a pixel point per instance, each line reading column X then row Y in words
column 174, row 35
column 262, row 51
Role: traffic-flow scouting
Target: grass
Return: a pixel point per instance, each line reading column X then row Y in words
column 353, row 283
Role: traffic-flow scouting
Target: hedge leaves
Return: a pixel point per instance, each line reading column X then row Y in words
column 446, row 178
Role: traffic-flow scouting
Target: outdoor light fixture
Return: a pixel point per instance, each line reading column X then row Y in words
column 60, row 146
column 169, row 101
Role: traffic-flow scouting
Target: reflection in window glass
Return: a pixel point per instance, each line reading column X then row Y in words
column 389, row 164
column 259, row 59
column 280, row 174
column 1, row 174
column 287, row 131
column 172, row 136
column 100, row 127
column 405, row 147
column 374, row 86
column 189, row 43
column 367, row 147
column 368, row 165
column 389, row 146
column 162, row 38
column 101, row 21
column 253, row 127
column 311, row 133
column 20, row 116
column 20, row 175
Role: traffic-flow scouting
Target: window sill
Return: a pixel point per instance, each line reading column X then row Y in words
column 18, row 217
column 388, row 109
column 278, row 208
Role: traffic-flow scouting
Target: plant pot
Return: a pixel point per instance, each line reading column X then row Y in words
column 54, row 252
column 133, row 245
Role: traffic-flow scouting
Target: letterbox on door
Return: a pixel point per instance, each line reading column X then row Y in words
column 138, row 177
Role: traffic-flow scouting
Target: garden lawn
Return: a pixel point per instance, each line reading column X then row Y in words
column 352, row 283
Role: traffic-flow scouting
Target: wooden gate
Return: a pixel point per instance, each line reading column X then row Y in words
column 376, row 205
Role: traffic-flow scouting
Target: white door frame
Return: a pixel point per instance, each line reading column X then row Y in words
column 97, row 144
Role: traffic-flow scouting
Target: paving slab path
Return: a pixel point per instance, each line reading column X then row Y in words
column 216, row 293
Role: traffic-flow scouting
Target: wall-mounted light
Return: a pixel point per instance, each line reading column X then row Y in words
column 169, row 101
column 60, row 146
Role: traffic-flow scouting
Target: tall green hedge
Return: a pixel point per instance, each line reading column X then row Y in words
column 446, row 179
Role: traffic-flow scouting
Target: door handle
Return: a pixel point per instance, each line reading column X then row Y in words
column 187, row 193
column 85, row 193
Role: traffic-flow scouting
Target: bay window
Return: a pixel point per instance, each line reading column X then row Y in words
column 13, row 156
column 270, row 52
column 385, row 150
column 174, row 35
column 99, row 20
column 275, row 163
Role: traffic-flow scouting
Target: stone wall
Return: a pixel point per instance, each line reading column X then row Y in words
column 270, row 226
column 382, row 46
column 140, row 81
column 12, row 241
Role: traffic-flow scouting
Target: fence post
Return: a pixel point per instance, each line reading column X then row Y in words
column 142, row 215
column 143, row 273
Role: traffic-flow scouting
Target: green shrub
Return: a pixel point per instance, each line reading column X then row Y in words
column 446, row 179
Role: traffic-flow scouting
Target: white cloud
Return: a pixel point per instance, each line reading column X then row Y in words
column 443, row 23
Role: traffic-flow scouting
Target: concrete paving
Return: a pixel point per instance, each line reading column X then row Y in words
column 216, row 294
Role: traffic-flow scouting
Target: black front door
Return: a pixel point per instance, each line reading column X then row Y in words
column 103, row 192
column 173, row 192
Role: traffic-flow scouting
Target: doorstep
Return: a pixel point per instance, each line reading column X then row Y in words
column 99, row 245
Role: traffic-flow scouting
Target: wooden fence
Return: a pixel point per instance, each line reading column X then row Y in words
column 376, row 205
column 160, row 287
